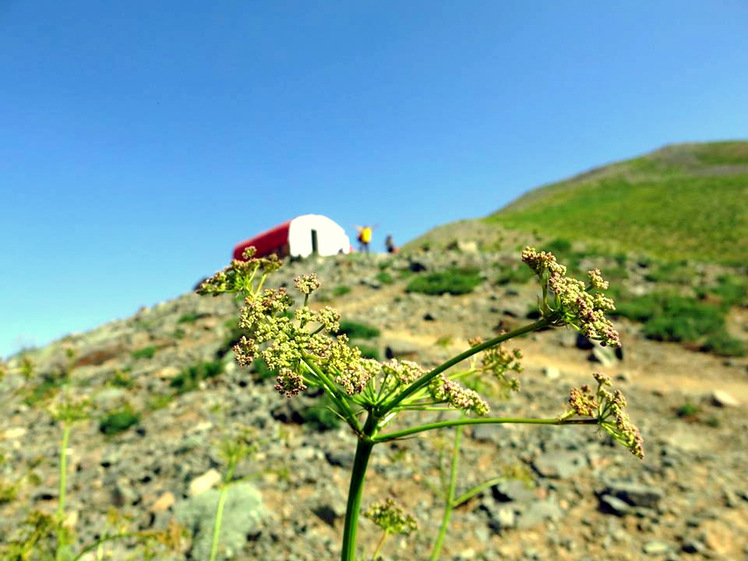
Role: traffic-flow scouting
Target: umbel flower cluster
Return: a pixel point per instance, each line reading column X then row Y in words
column 608, row 408
column 391, row 517
column 568, row 301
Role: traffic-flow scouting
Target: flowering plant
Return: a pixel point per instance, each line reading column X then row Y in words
column 303, row 348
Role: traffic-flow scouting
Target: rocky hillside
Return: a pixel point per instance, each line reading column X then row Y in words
column 165, row 394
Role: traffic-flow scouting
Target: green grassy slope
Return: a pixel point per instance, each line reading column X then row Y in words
column 687, row 201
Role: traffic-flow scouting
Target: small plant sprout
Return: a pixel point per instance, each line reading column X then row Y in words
column 233, row 449
column 305, row 349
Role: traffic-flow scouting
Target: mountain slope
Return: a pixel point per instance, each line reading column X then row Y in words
column 685, row 201
column 169, row 373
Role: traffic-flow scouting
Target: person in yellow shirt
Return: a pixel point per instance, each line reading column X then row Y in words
column 364, row 238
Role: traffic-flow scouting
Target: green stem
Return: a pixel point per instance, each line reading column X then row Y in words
column 341, row 402
column 61, row 531
column 424, row 380
column 355, row 491
column 219, row 510
column 105, row 539
column 467, row 495
column 449, row 503
column 479, row 421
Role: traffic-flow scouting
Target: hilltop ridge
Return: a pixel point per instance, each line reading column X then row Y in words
column 683, row 201
column 680, row 202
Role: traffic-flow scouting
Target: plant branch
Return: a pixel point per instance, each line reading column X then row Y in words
column 467, row 495
column 426, row 378
column 449, row 499
column 479, row 421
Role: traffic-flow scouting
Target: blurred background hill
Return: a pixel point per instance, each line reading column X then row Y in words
column 681, row 202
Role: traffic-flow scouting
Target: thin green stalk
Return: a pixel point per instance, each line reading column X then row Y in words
column 479, row 421
column 103, row 540
column 467, row 495
column 449, row 503
column 219, row 510
column 341, row 403
column 380, row 543
column 61, row 531
column 355, row 492
column 424, row 380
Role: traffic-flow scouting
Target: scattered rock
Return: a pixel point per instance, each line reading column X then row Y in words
column 467, row 246
column 583, row 343
column 14, row 432
column 605, row 356
column 560, row 465
column 634, row 494
column 243, row 512
column 417, row 267
column 693, row 546
column 655, row 547
column 539, row 511
column 723, row 399
column 501, row 518
column 202, row 483
column 399, row 349
column 163, row 503
column 551, row 372
column 342, row 458
column 614, row 505
column 513, row 490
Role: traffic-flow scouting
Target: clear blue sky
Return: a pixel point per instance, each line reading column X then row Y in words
column 140, row 140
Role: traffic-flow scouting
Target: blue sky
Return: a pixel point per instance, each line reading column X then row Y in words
column 140, row 140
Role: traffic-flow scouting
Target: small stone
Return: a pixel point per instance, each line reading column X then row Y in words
column 538, row 512
column 306, row 454
column 723, row 399
column 513, row 490
column 613, row 505
column 551, row 372
column 583, row 343
column 204, row 482
column 243, row 513
column 14, row 432
column 506, row 518
column 399, row 349
column 693, row 546
column 342, row 458
column 655, row 547
column 163, row 503
column 326, row 513
column 467, row 246
column 168, row 372
column 560, row 465
column 634, row 494
column 45, row 494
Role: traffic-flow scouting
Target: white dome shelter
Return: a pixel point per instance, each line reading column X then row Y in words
column 300, row 237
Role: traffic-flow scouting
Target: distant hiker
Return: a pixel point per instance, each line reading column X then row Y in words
column 364, row 237
column 389, row 244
